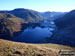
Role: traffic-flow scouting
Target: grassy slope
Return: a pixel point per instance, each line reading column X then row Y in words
column 7, row 48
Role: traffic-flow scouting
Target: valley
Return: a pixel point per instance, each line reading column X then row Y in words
column 25, row 32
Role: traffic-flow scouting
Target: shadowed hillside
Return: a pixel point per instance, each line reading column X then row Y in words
column 65, row 33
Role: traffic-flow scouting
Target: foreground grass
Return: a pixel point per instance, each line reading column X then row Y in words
column 9, row 48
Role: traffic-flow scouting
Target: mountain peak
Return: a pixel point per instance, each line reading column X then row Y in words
column 20, row 9
column 73, row 10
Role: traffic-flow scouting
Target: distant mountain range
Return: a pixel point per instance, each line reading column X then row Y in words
column 35, row 16
column 53, row 15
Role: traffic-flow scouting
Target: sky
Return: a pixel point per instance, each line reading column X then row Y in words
column 39, row 5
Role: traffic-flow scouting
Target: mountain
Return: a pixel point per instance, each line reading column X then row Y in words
column 26, row 14
column 35, row 16
column 10, row 25
column 13, row 22
column 9, row 48
column 66, row 21
column 53, row 15
column 65, row 31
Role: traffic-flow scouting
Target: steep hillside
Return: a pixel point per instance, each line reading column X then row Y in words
column 9, row 48
column 10, row 25
column 66, row 21
column 65, row 33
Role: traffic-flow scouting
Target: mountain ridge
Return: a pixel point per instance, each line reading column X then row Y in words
column 26, row 14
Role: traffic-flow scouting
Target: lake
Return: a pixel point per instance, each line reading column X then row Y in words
column 33, row 35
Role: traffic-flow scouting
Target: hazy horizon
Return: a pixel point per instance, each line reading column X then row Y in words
column 39, row 5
